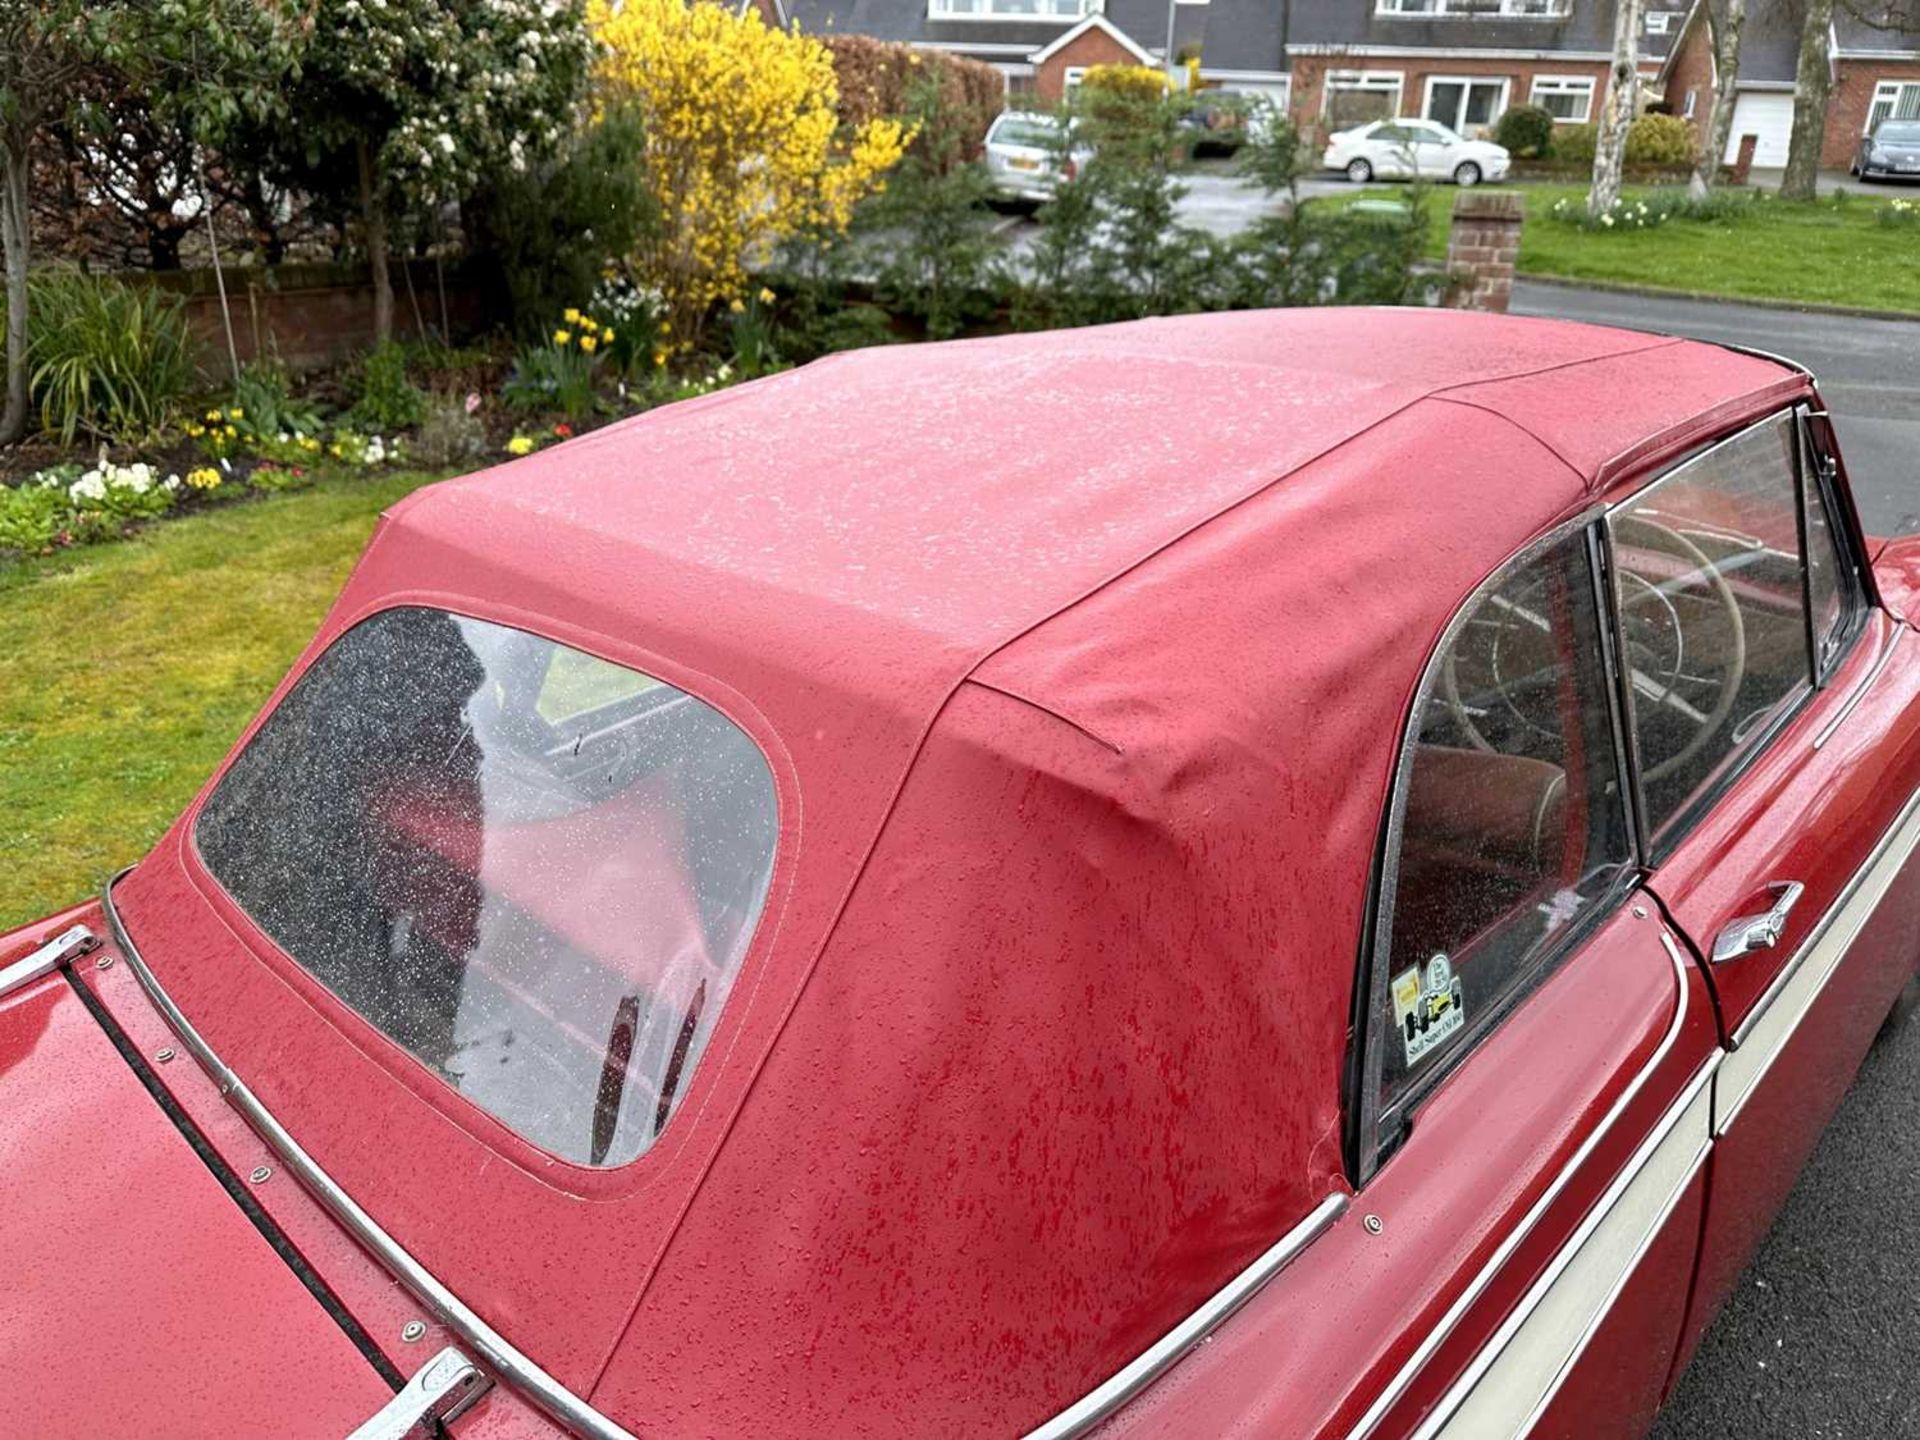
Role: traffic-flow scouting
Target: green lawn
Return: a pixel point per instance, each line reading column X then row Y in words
column 1819, row 253
column 126, row 670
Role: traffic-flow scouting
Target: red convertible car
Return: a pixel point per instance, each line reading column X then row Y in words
column 1308, row 874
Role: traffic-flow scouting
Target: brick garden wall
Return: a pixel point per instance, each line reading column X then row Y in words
column 312, row 316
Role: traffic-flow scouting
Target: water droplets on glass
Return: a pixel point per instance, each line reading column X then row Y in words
column 534, row 870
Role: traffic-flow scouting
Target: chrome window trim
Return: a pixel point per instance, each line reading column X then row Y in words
column 1659, row 845
column 540, row 1388
column 1363, row 1081
column 1478, row 1285
column 1100, row 1403
column 1860, row 690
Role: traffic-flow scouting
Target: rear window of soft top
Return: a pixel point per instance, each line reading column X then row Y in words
column 534, row 870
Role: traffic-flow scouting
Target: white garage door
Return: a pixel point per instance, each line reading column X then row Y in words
column 1768, row 116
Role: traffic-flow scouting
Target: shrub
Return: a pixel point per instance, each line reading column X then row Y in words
column 1526, row 131
column 551, row 229
column 110, row 359
column 1576, row 143
column 31, row 516
column 451, row 434
column 940, row 264
column 876, row 76
column 744, row 148
column 1663, row 141
column 1126, row 82
column 388, row 399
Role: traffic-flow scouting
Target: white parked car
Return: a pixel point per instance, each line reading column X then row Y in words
column 1403, row 149
column 1023, row 156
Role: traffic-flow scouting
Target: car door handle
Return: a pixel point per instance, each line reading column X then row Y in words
column 1758, row 932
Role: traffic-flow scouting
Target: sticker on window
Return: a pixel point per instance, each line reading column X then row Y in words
column 1427, row 1007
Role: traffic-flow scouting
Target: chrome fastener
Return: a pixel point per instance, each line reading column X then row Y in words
column 260, row 1174
column 105, row 962
column 163, row 1055
column 1373, row 1224
column 413, row 1330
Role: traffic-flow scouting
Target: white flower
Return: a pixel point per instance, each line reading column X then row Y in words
column 446, row 142
column 1606, row 220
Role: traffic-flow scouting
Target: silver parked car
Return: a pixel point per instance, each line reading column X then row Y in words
column 1024, row 157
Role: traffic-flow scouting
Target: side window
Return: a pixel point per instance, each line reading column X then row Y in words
column 1713, row 622
column 1510, row 824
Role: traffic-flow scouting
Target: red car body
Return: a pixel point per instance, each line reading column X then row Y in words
column 1082, row 666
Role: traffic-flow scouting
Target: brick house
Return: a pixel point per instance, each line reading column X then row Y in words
column 1331, row 62
column 1876, row 77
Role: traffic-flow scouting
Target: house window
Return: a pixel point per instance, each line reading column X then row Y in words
column 1072, row 76
column 1565, row 97
column 1049, row 10
column 1658, row 21
column 1894, row 100
column 1464, row 104
column 1692, row 99
column 1357, row 97
column 1537, row 9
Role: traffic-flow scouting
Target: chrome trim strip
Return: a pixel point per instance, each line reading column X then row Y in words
column 540, row 1388
column 1438, row 1419
column 1100, row 1403
column 1477, row 1286
column 1693, row 1169
column 69, row 944
column 1780, row 982
column 1776, row 1019
column 1860, row 690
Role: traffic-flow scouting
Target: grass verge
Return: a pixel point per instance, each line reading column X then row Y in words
column 1830, row 251
column 126, row 670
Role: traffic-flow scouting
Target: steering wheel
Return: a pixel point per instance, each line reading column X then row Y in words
column 1522, row 657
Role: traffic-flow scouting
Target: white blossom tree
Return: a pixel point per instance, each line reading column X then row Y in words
column 406, row 104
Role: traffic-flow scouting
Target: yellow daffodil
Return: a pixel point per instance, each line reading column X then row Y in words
column 520, row 445
column 659, row 357
column 588, row 344
column 236, row 413
column 562, row 337
column 571, row 316
column 767, row 297
column 606, row 336
column 737, row 305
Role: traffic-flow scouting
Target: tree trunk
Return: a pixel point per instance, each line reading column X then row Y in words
column 373, row 209
column 1727, row 24
column 1616, row 118
column 14, row 239
column 1812, row 85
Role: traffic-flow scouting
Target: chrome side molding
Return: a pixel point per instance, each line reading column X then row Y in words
column 68, row 945
column 528, row 1380
column 1100, row 1403
column 441, row 1390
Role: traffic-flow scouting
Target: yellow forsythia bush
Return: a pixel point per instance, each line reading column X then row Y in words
column 1128, row 82
column 743, row 147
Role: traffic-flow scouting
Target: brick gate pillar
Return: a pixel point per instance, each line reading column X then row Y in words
column 1481, row 247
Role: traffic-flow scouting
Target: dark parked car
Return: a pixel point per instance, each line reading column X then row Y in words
column 1890, row 151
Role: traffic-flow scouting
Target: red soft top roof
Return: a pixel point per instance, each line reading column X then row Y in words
column 883, row 516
